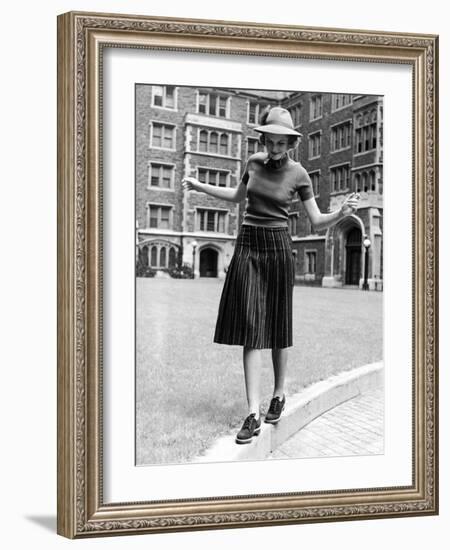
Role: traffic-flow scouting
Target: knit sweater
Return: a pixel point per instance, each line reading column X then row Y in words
column 271, row 186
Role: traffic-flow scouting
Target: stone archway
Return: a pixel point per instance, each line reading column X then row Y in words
column 343, row 253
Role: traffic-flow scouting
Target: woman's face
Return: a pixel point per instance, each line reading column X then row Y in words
column 276, row 145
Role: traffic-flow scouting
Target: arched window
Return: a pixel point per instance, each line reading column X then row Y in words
column 154, row 257
column 143, row 255
column 203, row 142
column 372, row 180
column 224, row 144
column 163, row 257
column 364, row 182
column 357, row 183
column 172, row 257
column 213, row 141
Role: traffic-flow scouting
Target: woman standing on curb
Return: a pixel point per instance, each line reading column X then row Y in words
column 256, row 305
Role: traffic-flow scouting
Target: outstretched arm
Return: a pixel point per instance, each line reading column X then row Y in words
column 322, row 221
column 234, row 194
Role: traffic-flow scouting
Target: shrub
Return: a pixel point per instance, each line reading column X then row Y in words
column 144, row 270
column 183, row 272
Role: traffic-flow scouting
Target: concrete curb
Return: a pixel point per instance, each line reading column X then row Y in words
column 300, row 410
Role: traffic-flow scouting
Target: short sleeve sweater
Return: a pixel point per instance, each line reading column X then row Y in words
column 270, row 190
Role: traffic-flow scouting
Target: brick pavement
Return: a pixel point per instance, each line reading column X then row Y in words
column 355, row 427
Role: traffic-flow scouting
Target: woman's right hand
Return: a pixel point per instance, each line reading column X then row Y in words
column 192, row 184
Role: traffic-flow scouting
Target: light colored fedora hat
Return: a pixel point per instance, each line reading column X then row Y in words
column 278, row 121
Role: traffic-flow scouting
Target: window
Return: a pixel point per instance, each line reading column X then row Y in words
column 339, row 101
column 216, row 143
column 223, row 144
column 316, row 106
column 311, row 261
column 340, row 136
column 315, row 178
column 296, row 114
column 213, row 139
column 213, row 177
column 254, row 112
column 161, row 175
column 314, row 145
column 292, row 223
column 213, row 104
column 253, row 146
column 203, row 141
column 340, row 178
column 164, row 96
column 163, row 256
column 159, row 216
column 366, row 132
column 372, row 180
column 172, row 257
column 162, row 136
column 211, row 220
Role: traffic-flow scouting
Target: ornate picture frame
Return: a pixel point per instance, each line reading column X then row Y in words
column 82, row 39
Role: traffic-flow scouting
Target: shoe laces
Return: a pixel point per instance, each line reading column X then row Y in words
column 275, row 405
column 248, row 421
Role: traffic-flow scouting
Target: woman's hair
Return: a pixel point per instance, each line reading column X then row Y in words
column 293, row 141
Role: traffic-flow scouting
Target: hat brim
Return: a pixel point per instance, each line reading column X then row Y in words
column 277, row 129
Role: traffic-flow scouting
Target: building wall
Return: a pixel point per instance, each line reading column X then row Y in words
column 187, row 159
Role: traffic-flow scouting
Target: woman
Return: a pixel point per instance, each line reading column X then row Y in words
column 256, row 305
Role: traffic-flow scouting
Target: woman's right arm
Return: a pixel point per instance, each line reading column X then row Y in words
column 235, row 194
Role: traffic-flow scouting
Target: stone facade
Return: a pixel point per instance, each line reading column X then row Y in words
column 208, row 134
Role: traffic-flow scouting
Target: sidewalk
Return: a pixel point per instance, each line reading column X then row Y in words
column 355, row 427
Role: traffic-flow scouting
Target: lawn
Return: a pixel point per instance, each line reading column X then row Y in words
column 189, row 391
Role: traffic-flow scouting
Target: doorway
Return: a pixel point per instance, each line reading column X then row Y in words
column 208, row 262
column 353, row 257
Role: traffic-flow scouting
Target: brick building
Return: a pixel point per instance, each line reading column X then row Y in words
column 208, row 133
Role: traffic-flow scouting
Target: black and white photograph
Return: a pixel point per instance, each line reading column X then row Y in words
column 259, row 274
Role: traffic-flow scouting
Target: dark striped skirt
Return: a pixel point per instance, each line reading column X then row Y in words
column 256, row 304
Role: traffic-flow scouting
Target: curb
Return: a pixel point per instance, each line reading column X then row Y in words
column 301, row 409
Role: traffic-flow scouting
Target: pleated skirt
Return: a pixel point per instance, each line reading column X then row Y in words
column 256, row 304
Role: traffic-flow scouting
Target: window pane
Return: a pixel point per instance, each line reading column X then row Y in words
column 170, row 96
column 212, row 104
column 223, row 144
column 167, row 177
column 168, row 137
column 203, row 140
column 172, row 257
column 165, row 214
column 213, row 142
column 221, row 227
column 201, row 220
column 154, row 259
column 223, row 106
column 202, row 103
column 154, row 216
column 202, row 175
column 222, row 179
column 158, row 96
column 210, row 225
column 156, row 135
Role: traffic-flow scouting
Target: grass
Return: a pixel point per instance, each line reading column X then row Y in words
column 189, row 391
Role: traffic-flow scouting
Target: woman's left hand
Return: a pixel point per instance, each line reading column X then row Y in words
column 350, row 204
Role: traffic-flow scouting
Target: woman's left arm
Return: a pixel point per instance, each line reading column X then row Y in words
column 322, row 221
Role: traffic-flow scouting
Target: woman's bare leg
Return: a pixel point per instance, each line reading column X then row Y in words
column 252, row 371
column 279, row 361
